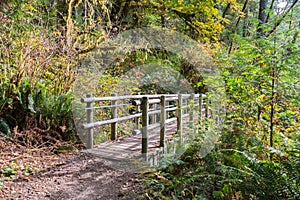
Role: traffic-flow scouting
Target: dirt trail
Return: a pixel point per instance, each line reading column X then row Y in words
column 80, row 177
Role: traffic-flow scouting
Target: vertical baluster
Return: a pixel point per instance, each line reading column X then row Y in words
column 191, row 111
column 162, row 121
column 114, row 114
column 145, row 123
column 90, row 114
column 179, row 115
column 200, row 108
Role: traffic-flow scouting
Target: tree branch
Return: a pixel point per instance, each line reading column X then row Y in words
column 276, row 25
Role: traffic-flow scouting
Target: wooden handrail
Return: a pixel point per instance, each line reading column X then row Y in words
column 111, row 98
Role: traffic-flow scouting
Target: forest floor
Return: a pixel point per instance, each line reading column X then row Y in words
column 34, row 174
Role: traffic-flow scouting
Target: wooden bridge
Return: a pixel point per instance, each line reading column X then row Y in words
column 159, row 119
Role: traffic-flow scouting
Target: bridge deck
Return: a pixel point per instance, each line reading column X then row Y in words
column 130, row 146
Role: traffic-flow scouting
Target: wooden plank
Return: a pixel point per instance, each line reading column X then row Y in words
column 129, row 147
column 171, row 120
column 153, row 112
column 109, row 121
column 153, row 101
column 171, row 109
column 172, row 98
column 110, row 106
column 95, row 99
column 153, row 126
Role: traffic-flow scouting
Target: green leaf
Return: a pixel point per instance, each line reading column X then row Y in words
column 9, row 171
column 217, row 194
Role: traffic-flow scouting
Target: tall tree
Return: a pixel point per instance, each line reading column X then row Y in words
column 262, row 16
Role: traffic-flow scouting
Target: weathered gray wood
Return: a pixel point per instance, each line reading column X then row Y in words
column 109, row 121
column 96, row 99
column 171, row 98
column 114, row 115
column 184, row 107
column 162, row 121
column 185, row 96
column 130, row 147
column 170, row 120
column 171, row 109
column 179, row 115
column 200, row 108
column 145, row 123
column 153, row 112
column 191, row 110
column 111, row 106
column 181, row 108
column 206, row 107
column 153, row 101
column 90, row 114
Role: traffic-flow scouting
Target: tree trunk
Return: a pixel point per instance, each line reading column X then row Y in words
column 271, row 8
column 237, row 24
column 262, row 16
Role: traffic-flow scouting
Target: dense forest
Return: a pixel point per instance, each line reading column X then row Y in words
column 254, row 44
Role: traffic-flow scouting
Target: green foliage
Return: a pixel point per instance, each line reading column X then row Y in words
column 261, row 84
column 257, row 156
column 13, row 169
column 36, row 70
column 227, row 174
column 9, row 171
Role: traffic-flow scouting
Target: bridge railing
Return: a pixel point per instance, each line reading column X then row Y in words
column 148, row 110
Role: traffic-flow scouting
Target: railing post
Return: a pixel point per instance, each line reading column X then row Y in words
column 212, row 110
column 206, row 107
column 145, row 123
column 179, row 115
column 191, row 110
column 162, row 121
column 90, row 114
column 200, row 108
column 114, row 114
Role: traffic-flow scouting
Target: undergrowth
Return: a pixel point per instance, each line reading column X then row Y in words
column 228, row 173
